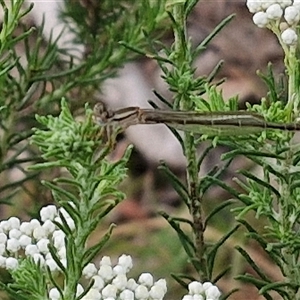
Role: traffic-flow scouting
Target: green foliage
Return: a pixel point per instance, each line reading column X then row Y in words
column 109, row 31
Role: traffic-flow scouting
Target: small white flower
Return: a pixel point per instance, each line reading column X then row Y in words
column 14, row 233
column 126, row 262
column 5, row 226
column 26, row 228
column 156, row 292
column 30, row 250
column 285, row 3
column 64, row 213
column 120, row 282
column 162, row 284
column 141, row 292
column 79, row 290
column 89, row 270
column 260, row 19
column 54, row 294
column 2, row 249
column 49, row 227
column 119, row 270
column 146, row 279
column 213, row 293
column 34, row 223
column 254, row 6
column 58, row 239
column 289, row 36
column 42, row 245
column 38, row 258
column 48, row 212
column 296, row 3
column 131, row 284
column 39, row 233
column 3, row 238
column 62, row 253
column 274, row 12
column 188, row 297
column 2, row 261
column 196, row 287
column 109, row 291
column 51, row 264
column 106, row 272
column 98, row 282
column 127, row 295
column 13, row 245
column 105, row 261
column 25, row 240
column 11, row 263
column 292, row 15
column 13, row 223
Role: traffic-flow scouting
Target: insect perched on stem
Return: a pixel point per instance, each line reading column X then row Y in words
column 209, row 123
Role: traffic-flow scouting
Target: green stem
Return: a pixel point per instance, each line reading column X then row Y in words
column 183, row 63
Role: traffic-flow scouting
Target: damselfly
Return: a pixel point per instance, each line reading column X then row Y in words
column 210, row 123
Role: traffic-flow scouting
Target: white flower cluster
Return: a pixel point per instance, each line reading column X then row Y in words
column 111, row 283
column 32, row 239
column 205, row 291
column 284, row 14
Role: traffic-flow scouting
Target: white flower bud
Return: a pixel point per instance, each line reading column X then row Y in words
column 79, row 290
column 292, row 15
column 105, row 261
column 106, row 272
column 25, row 240
column 156, row 292
column 13, row 245
column 254, row 6
column 48, row 212
column 2, row 261
column 120, row 282
column 274, row 12
column 31, row 249
column 51, row 264
column 109, row 291
column 131, row 284
column 212, row 293
column 260, row 19
column 141, row 292
column 38, row 258
column 3, row 238
column 126, row 295
column 289, row 36
column 98, row 282
column 39, row 233
column 14, row 223
column 89, row 270
column 42, row 245
column 14, row 233
column 54, row 294
column 26, row 228
column 2, row 249
column 49, row 227
column 146, row 279
column 126, row 262
column 196, row 287
column 296, row 3
column 11, row 263
column 285, row 3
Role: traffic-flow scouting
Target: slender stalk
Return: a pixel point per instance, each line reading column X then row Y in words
column 184, row 63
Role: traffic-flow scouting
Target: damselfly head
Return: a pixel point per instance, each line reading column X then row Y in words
column 101, row 114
